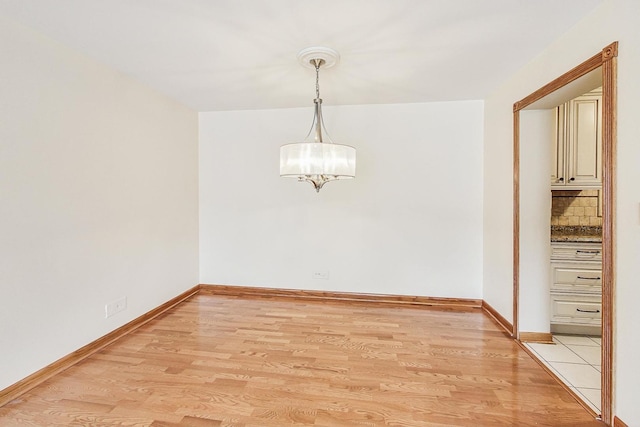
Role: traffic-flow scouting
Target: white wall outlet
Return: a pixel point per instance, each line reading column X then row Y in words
column 115, row 307
column 324, row 274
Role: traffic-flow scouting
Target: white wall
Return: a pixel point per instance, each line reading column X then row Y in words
column 613, row 20
column 98, row 190
column 536, row 134
column 497, row 206
column 410, row 223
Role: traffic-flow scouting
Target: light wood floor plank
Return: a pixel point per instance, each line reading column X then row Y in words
column 249, row 362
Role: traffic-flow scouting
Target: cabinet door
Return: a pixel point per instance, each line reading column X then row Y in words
column 559, row 148
column 585, row 142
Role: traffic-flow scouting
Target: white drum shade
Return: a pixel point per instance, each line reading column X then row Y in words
column 306, row 160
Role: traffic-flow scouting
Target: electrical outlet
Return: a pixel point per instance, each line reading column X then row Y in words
column 115, row 307
column 324, row 274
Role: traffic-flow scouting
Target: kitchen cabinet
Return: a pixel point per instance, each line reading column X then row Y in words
column 577, row 150
column 576, row 287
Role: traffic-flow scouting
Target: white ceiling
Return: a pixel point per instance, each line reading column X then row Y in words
column 241, row 54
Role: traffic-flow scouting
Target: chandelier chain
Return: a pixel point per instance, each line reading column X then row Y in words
column 317, row 64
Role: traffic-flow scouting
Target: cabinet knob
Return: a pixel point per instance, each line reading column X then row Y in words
column 572, row 179
column 560, row 179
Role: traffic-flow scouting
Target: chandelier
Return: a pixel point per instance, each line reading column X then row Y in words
column 317, row 159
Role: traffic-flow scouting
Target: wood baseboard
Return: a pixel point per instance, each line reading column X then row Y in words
column 617, row 422
column 558, row 380
column 256, row 292
column 499, row 319
column 537, row 337
column 15, row 390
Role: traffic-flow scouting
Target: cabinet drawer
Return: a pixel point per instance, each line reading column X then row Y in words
column 570, row 278
column 573, row 252
column 576, row 310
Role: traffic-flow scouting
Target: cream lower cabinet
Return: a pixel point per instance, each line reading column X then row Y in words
column 577, row 152
column 576, row 287
column 576, row 310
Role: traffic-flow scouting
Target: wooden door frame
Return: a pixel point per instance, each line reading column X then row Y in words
column 607, row 59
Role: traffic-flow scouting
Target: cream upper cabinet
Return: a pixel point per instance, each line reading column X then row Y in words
column 577, row 150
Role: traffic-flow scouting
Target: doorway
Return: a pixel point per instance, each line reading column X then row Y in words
column 604, row 61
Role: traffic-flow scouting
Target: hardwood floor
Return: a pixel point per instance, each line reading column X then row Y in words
column 256, row 362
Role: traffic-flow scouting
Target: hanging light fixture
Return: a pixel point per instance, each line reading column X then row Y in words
column 317, row 159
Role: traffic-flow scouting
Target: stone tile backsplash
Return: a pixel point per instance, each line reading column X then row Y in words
column 576, row 208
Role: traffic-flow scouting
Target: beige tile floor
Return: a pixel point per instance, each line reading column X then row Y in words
column 576, row 361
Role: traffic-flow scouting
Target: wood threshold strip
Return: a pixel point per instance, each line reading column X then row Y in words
column 497, row 317
column 617, row 422
column 15, row 390
column 258, row 292
column 537, row 337
column 558, row 380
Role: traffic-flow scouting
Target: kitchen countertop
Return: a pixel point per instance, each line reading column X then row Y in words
column 571, row 233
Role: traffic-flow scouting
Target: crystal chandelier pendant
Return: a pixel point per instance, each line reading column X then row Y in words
column 317, row 159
